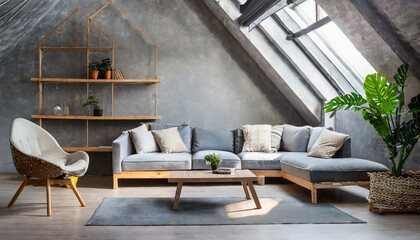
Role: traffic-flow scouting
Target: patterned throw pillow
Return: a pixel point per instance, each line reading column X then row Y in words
column 276, row 133
column 257, row 138
column 328, row 144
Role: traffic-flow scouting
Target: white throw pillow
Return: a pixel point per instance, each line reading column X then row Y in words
column 143, row 141
column 328, row 144
column 142, row 127
column 257, row 138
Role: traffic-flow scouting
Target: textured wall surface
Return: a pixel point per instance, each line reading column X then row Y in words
column 207, row 78
column 365, row 141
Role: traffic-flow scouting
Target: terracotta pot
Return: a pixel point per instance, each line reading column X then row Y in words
column 93, row 74
column 108, row 74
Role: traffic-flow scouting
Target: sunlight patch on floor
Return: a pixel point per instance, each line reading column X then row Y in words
column 247, row 208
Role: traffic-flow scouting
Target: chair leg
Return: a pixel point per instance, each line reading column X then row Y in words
column 48, row 197
column 76, row 193
column 20, row 189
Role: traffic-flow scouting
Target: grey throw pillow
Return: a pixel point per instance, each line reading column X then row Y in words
column 295, row 139
column 239, row 140
column 143, row 141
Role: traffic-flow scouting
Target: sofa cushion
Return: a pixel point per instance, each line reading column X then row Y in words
column 229, row 159
column 328, row 170
column 184, row 131
column 314, row 135
column 260, row 160
column 294, row 139
column 157, row 161
column 239, row 140
column 212, row 139
column 257, row 138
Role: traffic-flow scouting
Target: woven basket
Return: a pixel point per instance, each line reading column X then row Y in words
column 391, row 193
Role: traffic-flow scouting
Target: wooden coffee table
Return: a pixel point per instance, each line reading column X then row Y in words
column 243, row 176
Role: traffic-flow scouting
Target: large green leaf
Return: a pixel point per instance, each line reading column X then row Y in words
column 414, row 107
column 383, row 96
column 401, row 75
column 378, row 122
column 351, row 101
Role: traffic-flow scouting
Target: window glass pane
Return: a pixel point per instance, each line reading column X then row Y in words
column 308, row 11
column 345, row 49
column 330, row 38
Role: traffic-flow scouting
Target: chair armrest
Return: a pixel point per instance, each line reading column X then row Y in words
column 345, row 150
column 121, row 148
column 76, row 156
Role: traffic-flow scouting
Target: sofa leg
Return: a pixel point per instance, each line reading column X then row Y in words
column 314, row 195
column 261, row 180
column 115, row 181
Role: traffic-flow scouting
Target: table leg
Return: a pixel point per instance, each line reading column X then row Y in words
column 246, row 190
column 254, row 194
column 177, row 196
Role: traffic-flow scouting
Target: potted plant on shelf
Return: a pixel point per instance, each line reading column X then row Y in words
column 93, row 68
column 93, row 102
column 213, row 160
column 106, row 68
column 399, row 127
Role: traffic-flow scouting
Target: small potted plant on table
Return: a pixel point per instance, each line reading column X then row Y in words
column 94, row 68
column 93, row 102
column 213, row 160
column 105, row 68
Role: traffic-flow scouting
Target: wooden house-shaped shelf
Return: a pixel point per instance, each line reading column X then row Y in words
column 41, row 80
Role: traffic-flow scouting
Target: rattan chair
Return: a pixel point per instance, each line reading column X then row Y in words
column 38, row 157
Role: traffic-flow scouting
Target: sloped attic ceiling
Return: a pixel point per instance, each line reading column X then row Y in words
column 303, row 72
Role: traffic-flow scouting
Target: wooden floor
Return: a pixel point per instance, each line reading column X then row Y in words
column 27, row 218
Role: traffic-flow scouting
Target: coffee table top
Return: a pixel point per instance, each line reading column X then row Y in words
column 208, row 176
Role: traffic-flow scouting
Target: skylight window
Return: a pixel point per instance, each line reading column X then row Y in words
column 330, row 39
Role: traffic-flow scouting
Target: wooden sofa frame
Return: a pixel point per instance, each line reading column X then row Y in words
column 165, row 175
column 312, row 186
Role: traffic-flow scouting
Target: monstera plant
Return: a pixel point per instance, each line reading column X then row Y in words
column 384, row 108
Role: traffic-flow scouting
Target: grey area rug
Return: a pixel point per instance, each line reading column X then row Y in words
column 215, row 211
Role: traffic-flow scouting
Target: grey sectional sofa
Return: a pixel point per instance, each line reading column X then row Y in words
column 309, row 172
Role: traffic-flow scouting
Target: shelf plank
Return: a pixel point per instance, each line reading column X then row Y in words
column 77, row 80
column 87, row 149
column 96, row 117
column 76, row 48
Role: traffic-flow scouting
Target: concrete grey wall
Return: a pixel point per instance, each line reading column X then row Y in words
column 365, row 141
column 208, row 80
